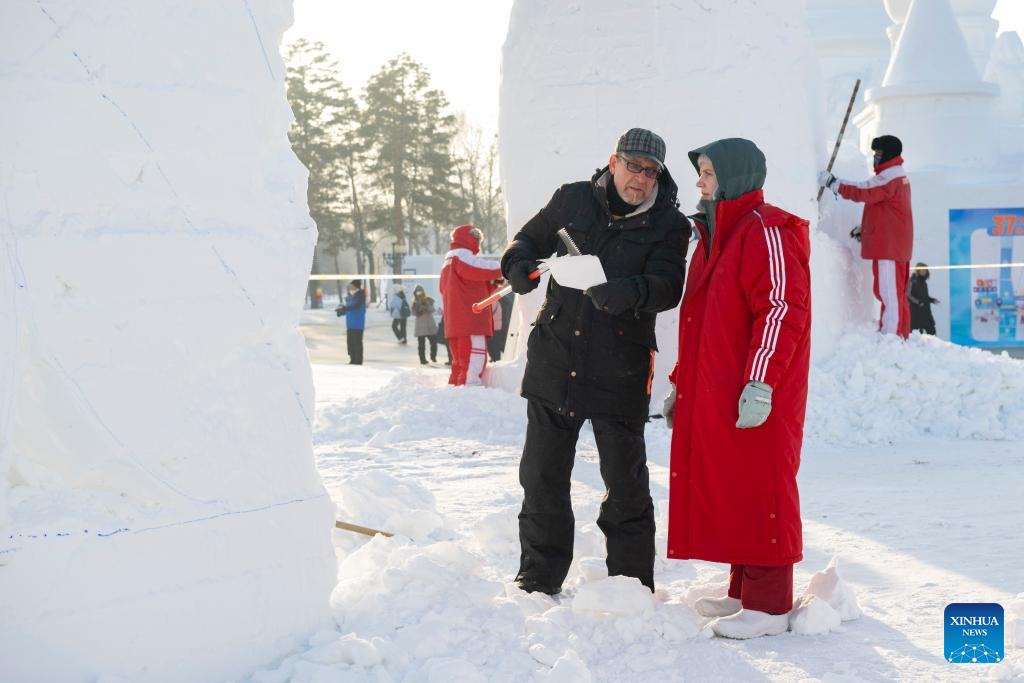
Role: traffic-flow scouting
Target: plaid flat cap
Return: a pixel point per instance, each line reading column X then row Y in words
column 642, row 142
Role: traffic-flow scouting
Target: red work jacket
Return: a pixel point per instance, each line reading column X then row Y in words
column 887, row 229
column 465, row 279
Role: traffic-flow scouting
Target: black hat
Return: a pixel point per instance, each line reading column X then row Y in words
column 358, row 284
column 889, row 145
column 640, row 142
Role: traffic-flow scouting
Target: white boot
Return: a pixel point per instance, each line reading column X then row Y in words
column 748, row 623
column 717, row 607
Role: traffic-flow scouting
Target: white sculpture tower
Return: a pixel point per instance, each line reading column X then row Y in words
column 932, row 97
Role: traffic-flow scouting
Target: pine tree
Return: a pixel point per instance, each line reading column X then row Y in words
column 408, row 134
column 317, row 99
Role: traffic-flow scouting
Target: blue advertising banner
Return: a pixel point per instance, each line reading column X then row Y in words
column 986, row 305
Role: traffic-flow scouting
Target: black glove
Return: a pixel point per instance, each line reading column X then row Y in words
column 340, row 311
column 615, row 297
column 519, row 276
column 826, row 179
column 855, row 233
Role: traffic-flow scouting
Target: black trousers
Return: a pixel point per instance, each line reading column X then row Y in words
column 421, row 342
column 546, row 522
column 398, row 327
column 354, row 340
column 495, row 345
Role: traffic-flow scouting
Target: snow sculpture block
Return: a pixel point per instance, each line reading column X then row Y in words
column 160, row 514
column 576, row 74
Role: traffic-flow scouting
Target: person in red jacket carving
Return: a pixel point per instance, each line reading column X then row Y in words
column 740, row 391
column 887, row 229
column 465, row 279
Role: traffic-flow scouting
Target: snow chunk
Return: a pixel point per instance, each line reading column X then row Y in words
column 445, row 669
column 813, row 616
column 380, row 501
column 621, row 596
column 568, row 669
column 830, row 587
column 592, row 568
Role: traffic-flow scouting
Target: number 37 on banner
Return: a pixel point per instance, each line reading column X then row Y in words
column 1007, row 225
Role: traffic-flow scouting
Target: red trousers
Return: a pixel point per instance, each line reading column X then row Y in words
column 891, row 279
column 469, row 358
column 764, row 589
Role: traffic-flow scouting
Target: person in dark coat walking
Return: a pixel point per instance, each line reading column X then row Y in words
column 442, row 339
column 591, row 356
column 921, row 318
column 425, row 327
column 399, row 309
column 354, row 310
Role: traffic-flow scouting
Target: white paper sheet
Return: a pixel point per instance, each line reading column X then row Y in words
column 577, row 272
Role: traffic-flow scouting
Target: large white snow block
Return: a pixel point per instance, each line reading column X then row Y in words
column 160, row 514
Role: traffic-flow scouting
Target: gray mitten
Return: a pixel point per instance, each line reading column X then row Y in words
column 668, row 408
column 755, row 405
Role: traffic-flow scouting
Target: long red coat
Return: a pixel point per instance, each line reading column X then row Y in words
column 466, row 279
column 745, row 316
column 887, row 229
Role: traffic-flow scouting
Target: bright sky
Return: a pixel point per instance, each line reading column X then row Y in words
column 459, row 41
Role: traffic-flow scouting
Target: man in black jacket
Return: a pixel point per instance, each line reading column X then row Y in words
column 591, row 356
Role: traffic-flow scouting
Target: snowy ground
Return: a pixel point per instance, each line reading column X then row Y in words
column 920, row 513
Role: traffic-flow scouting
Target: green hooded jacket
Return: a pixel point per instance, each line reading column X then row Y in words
column 740, row 168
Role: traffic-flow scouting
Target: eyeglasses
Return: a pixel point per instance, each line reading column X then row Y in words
column 634, row 167
column 475, row 232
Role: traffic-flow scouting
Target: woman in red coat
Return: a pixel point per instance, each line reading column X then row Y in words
column 740, row 393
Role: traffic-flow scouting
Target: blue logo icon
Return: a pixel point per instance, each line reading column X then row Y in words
column 974, row 633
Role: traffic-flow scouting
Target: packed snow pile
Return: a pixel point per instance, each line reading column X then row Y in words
column 615, row 595
column 417, row 405
column 879, row 389
column 445, row 615
column 812, row 616
column 156, row 400
column 829, row 586
column 827, row 602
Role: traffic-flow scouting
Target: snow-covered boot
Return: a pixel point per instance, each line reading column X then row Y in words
column 717, row 607
column 748, row 623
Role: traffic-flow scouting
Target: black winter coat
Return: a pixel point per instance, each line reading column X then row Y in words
column 920, row 305
column 587, row 363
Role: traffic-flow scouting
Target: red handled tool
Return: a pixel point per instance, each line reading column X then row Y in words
column 506, row 290
column 571, row 249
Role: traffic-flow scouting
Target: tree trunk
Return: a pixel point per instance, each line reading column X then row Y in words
column 337, row 269
column 397, row 217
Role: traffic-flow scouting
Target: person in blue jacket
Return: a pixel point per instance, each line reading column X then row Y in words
column 354, row 310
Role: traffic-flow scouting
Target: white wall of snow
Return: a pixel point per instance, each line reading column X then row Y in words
column 160, row 514
column 576, row 74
